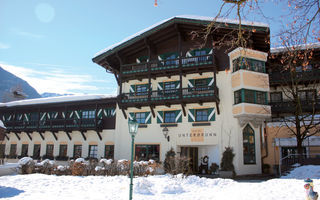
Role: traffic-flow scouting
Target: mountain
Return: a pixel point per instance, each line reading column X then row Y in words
column 14, row 88
column 49, row 94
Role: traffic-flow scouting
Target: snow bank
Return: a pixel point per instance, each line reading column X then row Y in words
column 144, row 186
column 304, row 172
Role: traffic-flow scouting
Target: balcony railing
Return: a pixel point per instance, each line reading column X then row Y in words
column 172, row 94
column 300, row 77
column 283, row 106
column 167, row 64
column 54, row 124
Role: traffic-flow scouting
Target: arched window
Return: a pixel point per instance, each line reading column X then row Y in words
column 249, row 145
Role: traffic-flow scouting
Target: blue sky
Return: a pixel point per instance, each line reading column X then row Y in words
column 50, row 43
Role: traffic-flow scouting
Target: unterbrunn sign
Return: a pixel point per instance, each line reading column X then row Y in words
column 197, row 135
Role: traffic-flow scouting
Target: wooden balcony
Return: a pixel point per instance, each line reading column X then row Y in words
column 168, row 97
column 173, row 66
column 304, row 77
column 55, row 125
column 287, row 106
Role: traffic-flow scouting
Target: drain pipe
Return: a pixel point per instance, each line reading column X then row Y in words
column 264, row 134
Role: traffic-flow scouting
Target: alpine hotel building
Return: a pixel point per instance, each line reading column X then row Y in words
column 207, row 97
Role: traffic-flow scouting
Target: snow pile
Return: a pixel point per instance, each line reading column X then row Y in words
column 173, row 187
column 304, row 172
column 80, row 160
column 143, row 186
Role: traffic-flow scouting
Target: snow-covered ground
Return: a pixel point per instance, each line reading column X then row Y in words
column 39, row 186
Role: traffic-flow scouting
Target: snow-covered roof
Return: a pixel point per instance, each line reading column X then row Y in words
column 2, row 125
column 186, row 17
column 59, row 99
column 296, row 47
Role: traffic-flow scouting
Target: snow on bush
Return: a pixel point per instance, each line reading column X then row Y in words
column 80, row 160
column 143, row 186
column 61, row 168
column 24, row 161
column 106, row 161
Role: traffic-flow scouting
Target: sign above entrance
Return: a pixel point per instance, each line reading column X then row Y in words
column 197, row 135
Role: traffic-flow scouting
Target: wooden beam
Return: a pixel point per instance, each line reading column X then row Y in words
column 117, row 79
column 29, row 136
column 218, row 109
column 152, row 111
column 68, row 134
column 5, row 134
column 124, row 113
column 183, row 109
column 17, row 135
column 54, row 135
column 40, row 133
column 83, row 135
column 99, row 135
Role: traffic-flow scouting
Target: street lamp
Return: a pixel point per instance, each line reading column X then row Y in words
column 165, row 132
column 133, row 129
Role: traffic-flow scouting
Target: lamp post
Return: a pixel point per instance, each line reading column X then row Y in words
column 133, row 129
column 165, row 132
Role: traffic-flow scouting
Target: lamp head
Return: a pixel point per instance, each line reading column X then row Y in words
column 133, row 127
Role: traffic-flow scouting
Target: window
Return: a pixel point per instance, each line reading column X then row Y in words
column 109, row 152
column 93, row 151
column 36, row 151
column 49, row 150
column 249, row 64
column 201, row 84
column 89, row 114
column 147, row 152
column 63, row 150
column 77, row 151
column 2, row 150
column 250, row 96
column 202, row 115
column 169, row 117
column 170, row 60
column 13, row 150
column 169, row 87
column 141, row 117
column 276, row 97
column 24, row 150
column 249, row 151
column 142, row 90
column 306, row 95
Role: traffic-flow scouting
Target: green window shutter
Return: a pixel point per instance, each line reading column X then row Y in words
column 70, row 114
column 160, row 117
column 177, row 84
column 55, row 115
column 113, row 112
column 100, row 113
column 148, row 117
column 191, row 115
column 178, row 116
column 63, row 115
column 191, row 83
column 210, row 81
column 211, row 114
column 160, row 86
column 78, row 114
column 131, row 116
column 142, row 59
column 132, row 89
column 26, row 117
column 43, row 116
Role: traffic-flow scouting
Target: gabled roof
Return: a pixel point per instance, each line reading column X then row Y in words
column 165, row 23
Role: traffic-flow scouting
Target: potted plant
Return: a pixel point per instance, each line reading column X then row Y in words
column 226, row 165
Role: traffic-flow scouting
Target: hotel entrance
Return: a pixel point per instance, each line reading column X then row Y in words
column 192, row 154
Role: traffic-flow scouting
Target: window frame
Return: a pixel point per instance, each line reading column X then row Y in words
column 274, row 98
column 61, row 150
column 249, row 146
column 143, row 89
column 139, row 119
column 202, row 119
column 13, row 150
column 165, row 118
column 148, row 150
column 93, row 151
column 36, row 151
column 24, row 147
column 109, row 151
column 77, row 151
column 49, row 150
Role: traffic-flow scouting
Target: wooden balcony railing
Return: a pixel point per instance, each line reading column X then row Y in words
column 300, row 77
column 285, row 106
column 173, row 94
column 167, row 64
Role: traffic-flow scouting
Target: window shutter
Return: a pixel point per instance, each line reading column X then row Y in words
column 100, row 113
column 210, row 81
column 191, row 115
column 43, row 116
column 63, row 115
column 70, row 114
column 27, row 116
column 131, row 116
column 148, row 117
column 177, row 84
column 160, row 86
column 113, row 112
column 191, row 83
column 211, row 114
column 55, row 115
column 160, row 117
column 178, row 116
column 132, row 90
column 78, row 113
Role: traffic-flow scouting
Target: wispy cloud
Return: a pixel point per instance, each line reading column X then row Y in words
column 28, row 34
column 4, row 46
column 51, row 80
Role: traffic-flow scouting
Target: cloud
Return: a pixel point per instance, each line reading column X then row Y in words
column 4, row 46
column 28, row 34
column 53, row 80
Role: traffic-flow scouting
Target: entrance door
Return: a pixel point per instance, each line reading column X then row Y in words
column 192, row 154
